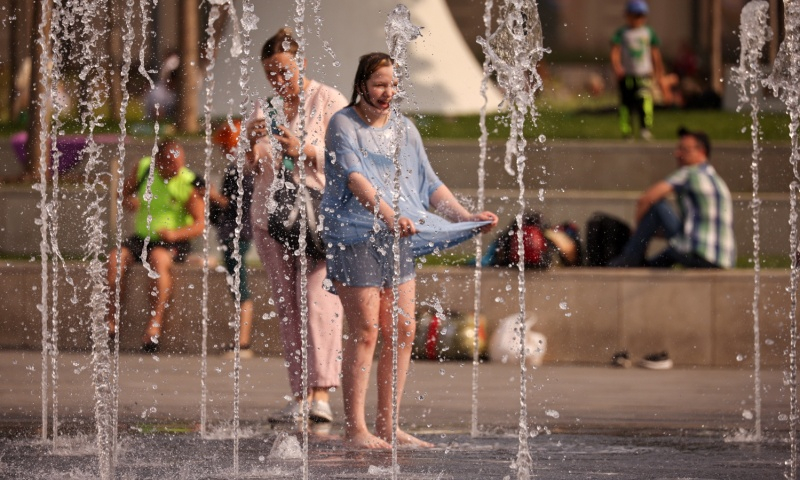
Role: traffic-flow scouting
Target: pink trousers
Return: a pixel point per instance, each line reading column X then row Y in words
column 324, row 315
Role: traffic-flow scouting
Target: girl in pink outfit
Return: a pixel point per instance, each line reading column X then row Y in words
column 278, row 58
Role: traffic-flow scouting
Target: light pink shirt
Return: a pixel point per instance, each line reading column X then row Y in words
column 321, row 102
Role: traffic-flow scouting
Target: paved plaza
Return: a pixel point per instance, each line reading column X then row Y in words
column 586, row 422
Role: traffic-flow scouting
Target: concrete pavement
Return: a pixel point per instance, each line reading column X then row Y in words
column 585, row 422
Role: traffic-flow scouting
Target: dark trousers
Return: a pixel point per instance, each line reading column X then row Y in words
column 659, row 219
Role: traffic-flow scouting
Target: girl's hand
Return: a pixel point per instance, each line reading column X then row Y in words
column 407, row 227
column 483, row 217
column 290, row 144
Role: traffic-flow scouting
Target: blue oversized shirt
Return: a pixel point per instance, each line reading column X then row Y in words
column 353, row 146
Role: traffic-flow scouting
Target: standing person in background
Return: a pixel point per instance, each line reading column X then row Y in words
column 359, row 234
column 174, row 215
column 278, row 58
column 637, row 64
column 227, row 137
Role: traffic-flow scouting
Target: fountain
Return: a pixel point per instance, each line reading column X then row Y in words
column 123, row 448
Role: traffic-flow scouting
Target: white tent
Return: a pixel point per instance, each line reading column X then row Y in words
column 445, row 76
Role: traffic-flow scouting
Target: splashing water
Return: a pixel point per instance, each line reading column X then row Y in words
column 483, row 143
column 513, row 52
column 213, row 16
column 248, row 23
column 44, row 248
column 754, row 34
column 783, row 82
column 127, row 40
column 93, row 74
column 399, row 33
column 299, row 20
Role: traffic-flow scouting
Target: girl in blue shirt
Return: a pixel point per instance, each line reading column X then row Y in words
column 359, row 234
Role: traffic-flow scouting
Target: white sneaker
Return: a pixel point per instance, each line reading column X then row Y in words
column 656, row 361
column 646, row 135
column 288, row 414
column 320, row 412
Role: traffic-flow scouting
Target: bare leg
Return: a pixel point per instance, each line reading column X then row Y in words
column 361, row 305
column 246, row 323
column 161, row 261
column 320, row 394
column 126, row 258
column 406, row 325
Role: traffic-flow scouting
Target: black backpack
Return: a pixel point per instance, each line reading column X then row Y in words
column 606, row 236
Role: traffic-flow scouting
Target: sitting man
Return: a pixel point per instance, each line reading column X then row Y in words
column 703, row 235
column 163, row 225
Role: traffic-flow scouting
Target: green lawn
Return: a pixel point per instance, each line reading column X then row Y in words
column 602, row 124
column 597, row 122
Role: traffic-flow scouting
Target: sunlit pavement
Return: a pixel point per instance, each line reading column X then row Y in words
column 585, row 422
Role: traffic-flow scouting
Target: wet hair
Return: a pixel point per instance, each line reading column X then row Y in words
column 278, row 43
column 700, row 137
column 367, row 65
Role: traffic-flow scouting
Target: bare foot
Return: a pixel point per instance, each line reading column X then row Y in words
column 408, row 440
column 366, row 440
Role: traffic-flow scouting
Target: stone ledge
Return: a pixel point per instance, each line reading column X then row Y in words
column 703, row 318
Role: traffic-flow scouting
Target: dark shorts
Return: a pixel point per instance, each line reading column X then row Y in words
column 230, row 265
column 180, row 250
column 370, row 264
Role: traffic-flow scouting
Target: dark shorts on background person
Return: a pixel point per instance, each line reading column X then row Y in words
column 230, row 264
column 370, row 263
column 180, row 250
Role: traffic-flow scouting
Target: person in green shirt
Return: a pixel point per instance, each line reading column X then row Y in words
column 636, row 60
column 163, row 227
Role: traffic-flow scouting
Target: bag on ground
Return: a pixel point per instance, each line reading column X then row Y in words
column 505, row 342
column 535, row 247
column 606, row 236
column 448, row 335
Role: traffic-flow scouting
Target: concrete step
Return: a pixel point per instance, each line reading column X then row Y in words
column 558, row 166
column 20, row 236
column 562, row 166
column 703, row 318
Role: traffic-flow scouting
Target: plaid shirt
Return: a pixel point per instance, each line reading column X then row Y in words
column 707, row 214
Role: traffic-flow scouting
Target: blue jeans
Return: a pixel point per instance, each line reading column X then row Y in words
column 659, row 219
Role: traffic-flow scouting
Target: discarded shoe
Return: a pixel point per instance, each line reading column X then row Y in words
column 320, row 412
column 244, row 352
column 656, row 361
column 621, row 359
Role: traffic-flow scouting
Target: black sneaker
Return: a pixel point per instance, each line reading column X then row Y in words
column 621, row 359
column 150, row 347
column 656, row 361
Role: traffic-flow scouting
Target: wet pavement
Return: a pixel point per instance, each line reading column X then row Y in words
column 585, row 422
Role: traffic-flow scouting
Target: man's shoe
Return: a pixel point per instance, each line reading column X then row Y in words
column 621, row 359
column 320, row 412
column 656, row 361
column 646, row 135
